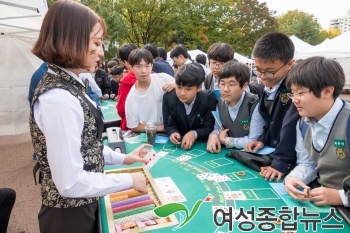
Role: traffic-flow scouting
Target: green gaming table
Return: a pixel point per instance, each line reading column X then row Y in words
column 258, row 192
column 110, row 114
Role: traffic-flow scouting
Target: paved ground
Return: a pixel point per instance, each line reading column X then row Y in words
column 16, row 172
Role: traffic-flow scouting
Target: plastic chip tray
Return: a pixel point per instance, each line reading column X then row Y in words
column 153, row 192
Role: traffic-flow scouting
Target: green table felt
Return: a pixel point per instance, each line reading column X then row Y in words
column 109, row 111
column 257, row 190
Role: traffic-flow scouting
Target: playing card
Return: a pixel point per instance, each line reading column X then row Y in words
column 221, row 178
column 152, row 158
column 213, row 176
column 183, row 158
column 234, row 195
column 203, row 176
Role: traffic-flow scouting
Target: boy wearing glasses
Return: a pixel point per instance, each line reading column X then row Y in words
column 273, row 56
column 323, row 151
column 218, row 54
column 237, row 109
column 187, row 110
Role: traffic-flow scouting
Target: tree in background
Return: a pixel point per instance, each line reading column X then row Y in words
column 329, row 34
column 303, row 25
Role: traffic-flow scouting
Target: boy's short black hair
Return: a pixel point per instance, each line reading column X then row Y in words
column 235, row 69
column 162, row 53
column 221, row 52
column 200, row 58
column 137, row 55
column 125, row 50
column 116, row 70
column 190, row 75
column 178, row 50
column 317, row 73
column 274, row 46
column 111, row 64
column 153, row 49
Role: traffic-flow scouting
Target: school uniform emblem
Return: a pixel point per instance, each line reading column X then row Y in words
column 340, row 146
column 245, row 124
column 284, row 98
column 340, row 153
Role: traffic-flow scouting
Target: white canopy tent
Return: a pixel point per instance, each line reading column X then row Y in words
column 194, row 53
column 337, row 48
column 20, row 22
column 299, row 44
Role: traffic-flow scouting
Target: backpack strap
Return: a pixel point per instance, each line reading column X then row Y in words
column 207, row 81
column 254, row 100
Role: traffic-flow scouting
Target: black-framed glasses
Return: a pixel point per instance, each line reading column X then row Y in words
column 229, row 86
column 174, row 59
column 297, row 96
column 267, row 74
column 216, row 64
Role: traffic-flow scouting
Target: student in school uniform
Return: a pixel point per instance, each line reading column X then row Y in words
column 273, row 56
column 187, row 110
column 237, row 110
column 218, row 54
column 323, row 153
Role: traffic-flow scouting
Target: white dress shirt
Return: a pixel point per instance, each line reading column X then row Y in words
column 188, row 108
column 61, row 119
column 255, row 129
column 305, row 169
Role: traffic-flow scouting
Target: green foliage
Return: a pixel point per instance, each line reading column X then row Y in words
column 195, row 23
column 300, row 24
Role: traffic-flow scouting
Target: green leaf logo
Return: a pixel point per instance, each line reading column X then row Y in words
column 170, row 208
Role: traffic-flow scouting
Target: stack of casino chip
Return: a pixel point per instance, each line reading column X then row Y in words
column 133, row 209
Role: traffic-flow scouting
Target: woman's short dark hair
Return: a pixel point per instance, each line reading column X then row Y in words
column 235, row 69
column 137, row 55
column 190, row 75
column 317, row 73
column 65, row 34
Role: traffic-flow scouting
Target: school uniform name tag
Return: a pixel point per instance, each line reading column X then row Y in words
column 340, row 151
column 339, row 143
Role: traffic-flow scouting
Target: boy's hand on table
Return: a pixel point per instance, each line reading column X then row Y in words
column 175, row 138
column 213, row 144
column 188, row 140
column 270, row 173
column 325, row 196
column 253, row 146
column 291, row 183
